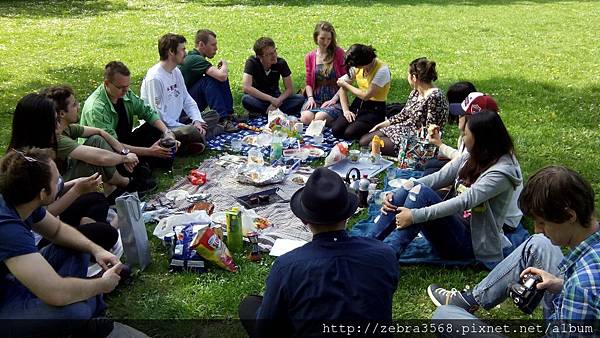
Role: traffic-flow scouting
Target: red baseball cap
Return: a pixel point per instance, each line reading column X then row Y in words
column 473, row 103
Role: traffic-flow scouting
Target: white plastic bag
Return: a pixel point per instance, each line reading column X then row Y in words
column 337, row 153
column 165, row 226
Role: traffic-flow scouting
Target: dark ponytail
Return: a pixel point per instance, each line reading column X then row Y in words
column 423, row 69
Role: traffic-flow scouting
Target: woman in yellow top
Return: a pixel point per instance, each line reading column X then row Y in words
column 373, row 84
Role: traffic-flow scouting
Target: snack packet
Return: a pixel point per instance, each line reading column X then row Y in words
column 182, row 255
column 208, row 244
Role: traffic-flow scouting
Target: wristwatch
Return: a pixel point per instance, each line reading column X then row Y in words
column 124, row 151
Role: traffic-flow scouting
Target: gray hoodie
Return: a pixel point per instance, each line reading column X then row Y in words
column 492, row 200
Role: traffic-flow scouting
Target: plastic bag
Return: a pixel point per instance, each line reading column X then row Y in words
column 337, row 153
column 208, row 244
column 166, row 225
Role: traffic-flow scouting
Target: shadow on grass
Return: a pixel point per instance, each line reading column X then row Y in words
column 349, row 3
column 59, row 9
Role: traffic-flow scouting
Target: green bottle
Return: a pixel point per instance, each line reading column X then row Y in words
column 233, row 219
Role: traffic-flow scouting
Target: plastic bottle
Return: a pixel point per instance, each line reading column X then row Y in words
column 233, row 219
column 363, row 191
column 276, row 148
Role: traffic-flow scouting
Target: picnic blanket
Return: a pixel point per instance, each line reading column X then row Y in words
column 420, row 251
column 223, row 188
column 221, row 142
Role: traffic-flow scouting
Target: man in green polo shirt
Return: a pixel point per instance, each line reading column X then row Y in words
column 113, row 105
column 208, row 85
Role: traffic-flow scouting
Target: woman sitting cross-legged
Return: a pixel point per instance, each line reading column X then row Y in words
column 324, row 66
column 373, row 79
column 426, row 105
column 470, row 224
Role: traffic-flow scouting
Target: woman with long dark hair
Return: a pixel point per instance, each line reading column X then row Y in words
column 79, row 205
column 469, row 224
column 324, row 66
column 426, row 105
column 373, row 80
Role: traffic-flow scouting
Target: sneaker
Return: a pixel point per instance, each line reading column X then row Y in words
column 230, row 126
column 440, row 296
column 193, row 148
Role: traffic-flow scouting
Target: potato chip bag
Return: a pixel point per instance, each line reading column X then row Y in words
column 208, row 244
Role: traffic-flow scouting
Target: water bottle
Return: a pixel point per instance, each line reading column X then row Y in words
column 276, row 148
column 363, row 191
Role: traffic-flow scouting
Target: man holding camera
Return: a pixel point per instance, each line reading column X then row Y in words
column 561, row 203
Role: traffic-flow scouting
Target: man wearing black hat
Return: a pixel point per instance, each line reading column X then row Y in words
column 332, row 281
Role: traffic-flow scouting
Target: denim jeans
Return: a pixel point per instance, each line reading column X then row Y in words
column 289, row 106
column 537, row 251
column 17, row 302
column 449, row 236
column 210, row 92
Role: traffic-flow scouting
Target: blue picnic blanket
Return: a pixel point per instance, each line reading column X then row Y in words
column 223, row 141
column 419, row 251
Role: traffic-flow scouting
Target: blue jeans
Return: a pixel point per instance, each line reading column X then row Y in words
column 210, row 92
column 17, row 302
column 289, row 106
column 449, row 236
column 537, row 251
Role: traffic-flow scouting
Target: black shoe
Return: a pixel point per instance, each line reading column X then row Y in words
column 141, row 185
column 96, row 327
column 142, row 170
column 440, row 296
column 116, row 193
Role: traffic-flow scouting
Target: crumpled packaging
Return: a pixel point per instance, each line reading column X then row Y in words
column 260, row 175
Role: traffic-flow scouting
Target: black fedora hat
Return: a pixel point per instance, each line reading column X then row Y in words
column 324, row 199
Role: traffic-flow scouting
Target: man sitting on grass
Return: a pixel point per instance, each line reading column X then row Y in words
column 207, row 84
column 112, row 107
column 100, row 153
column 561, row 203
column 334, row 278
column 261, row 82
column 164, row 89
column 51, row 285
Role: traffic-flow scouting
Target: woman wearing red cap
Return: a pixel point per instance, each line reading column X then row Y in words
column 487, row 181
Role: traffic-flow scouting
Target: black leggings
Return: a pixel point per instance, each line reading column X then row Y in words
column 368, row 114
column 95, row 206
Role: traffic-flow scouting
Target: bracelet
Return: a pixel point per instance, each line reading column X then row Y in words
column 310, row 97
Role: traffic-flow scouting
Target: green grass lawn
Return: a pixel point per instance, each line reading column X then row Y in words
column 538, row 58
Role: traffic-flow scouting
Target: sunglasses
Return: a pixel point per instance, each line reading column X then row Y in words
column 60, row 184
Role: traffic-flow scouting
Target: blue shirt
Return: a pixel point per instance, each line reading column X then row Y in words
column 333, row 278
column 16, row 238
column 580, row 297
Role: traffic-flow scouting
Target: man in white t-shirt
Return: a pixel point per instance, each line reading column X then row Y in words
column 164, row 89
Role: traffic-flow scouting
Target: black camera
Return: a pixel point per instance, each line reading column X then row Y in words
column 525, row 294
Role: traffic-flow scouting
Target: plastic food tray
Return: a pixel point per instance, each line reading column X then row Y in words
column 260, row 198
